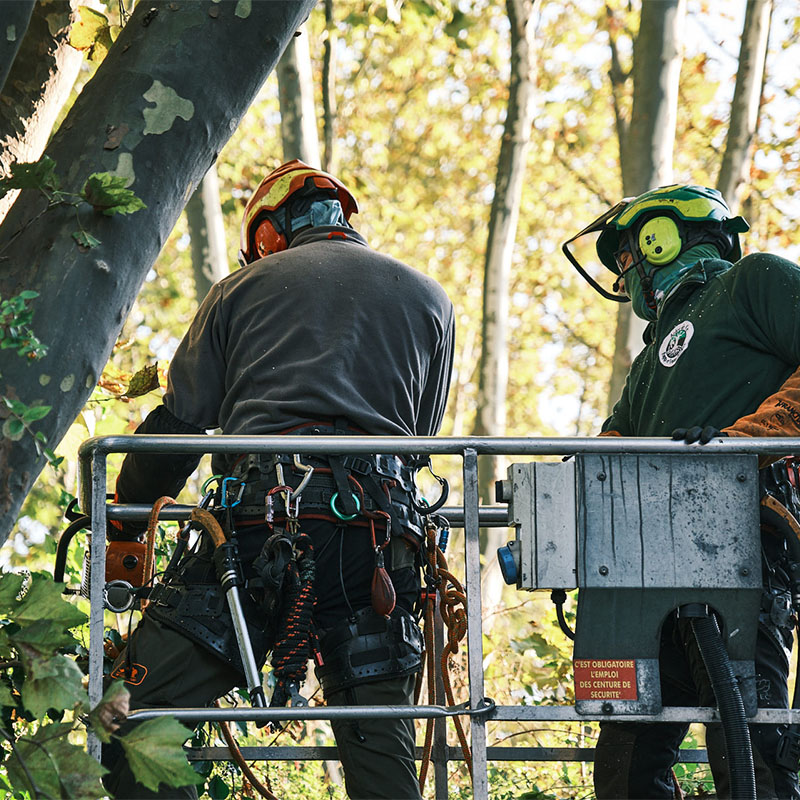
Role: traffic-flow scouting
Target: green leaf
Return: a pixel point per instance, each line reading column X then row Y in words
column 218, row 789
column 107, row 193
column 43, row 601
column 91, row 33
column 155, row 753
column 27, row 294
column 44, row 637
column 50, row 682
column 33, row 413
column 144, row 381
column 114, row 705
column 6, row 698
column 10, row 586
column 15, row 406
column 31, row 175
column 61, row 769
column 85, row 239
column 13, row 429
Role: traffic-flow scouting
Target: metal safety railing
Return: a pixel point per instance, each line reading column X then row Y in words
column 471, row 516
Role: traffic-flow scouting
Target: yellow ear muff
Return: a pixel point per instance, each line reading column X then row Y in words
column 660, row 240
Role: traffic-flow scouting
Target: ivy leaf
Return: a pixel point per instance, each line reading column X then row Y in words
column 10, row 586
column 91, row 33
column 85, row 240
column 42, row 601
column 114, row 706
column 6, row 698
column 61, row 769
column 154, row 751
column 31, row 175
column 50, row 682
column 107, row 193
column 43, row 636
column 144, row 381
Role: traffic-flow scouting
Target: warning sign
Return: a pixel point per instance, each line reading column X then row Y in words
column 605, row 679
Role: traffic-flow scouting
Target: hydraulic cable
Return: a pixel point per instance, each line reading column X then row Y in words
column 62, row 549
column 729, row 701
column 559, row 597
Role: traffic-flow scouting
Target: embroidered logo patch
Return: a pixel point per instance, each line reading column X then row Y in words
column 134, row 676
column 675, row 343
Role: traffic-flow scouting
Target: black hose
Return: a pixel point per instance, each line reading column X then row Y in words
column 63, row 546
column 559, row 597
column 730, row 705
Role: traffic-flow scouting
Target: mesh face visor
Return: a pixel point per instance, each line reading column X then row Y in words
column 581, row 252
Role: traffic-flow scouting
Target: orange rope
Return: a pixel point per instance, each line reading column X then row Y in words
column 236, row 755
column 150, row 539
column 452, row 607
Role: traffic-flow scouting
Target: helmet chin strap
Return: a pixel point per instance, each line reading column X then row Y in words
column 645, row 277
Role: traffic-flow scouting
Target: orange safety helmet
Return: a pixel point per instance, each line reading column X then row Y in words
column 259, row 236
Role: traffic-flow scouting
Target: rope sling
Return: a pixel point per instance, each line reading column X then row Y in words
column 453, row 610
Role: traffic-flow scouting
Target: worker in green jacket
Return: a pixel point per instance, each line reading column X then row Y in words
column 721, row 358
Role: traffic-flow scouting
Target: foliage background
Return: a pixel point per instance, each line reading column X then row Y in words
column 421, row 87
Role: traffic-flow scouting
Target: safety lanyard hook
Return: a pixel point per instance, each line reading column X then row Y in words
column 307, row 469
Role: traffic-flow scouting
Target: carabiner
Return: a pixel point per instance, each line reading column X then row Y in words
column 224, row 492
column 338, row 514
column 307, row 469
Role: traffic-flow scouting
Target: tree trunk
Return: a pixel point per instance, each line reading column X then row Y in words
column 647, row 142
column 38, row 85
column 207, row 234
column 329, row 90
column 747, row 95
column 296, row 92
column 493, row 367
column 151, row 115
column 16, row 16
column 493, row 379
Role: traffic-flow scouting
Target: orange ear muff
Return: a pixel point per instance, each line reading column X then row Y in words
column 268, row 240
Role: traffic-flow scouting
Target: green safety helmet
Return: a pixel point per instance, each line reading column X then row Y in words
column 658, row 226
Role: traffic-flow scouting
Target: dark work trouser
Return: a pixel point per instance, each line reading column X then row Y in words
column 173, row 671
column 633, row 761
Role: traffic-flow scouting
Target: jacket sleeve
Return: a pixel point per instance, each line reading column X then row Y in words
column 144, row 477
column 778, row 414
column 437, row 386
column 197, row 373
column 619, row 423
column 768, row 292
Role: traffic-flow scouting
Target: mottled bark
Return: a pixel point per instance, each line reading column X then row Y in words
column 38, row 85
column 151, row 115
column 14, row 23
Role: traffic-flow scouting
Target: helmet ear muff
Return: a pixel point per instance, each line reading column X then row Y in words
column 267, row 239
column 660, row 240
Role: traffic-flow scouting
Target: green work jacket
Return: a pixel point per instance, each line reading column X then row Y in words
column 726, row 338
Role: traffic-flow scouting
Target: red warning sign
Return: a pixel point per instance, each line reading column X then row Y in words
column 607, row 679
